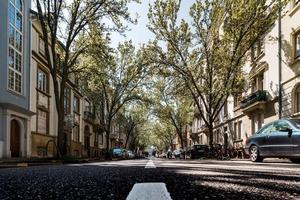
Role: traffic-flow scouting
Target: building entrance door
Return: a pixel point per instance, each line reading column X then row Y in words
column 15, row 138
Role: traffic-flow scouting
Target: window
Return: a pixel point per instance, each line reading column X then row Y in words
column 226, row 109
column 42, row 46
column 238, row 130
column 42, row 121
column 236, row 100
column 257, row 83
column 76, row 104
column 297, row 99
column 297, row 45
column 67, row 101
column 266, row 129
column 257, row 49
column 42, row 81
column 100, row 139
column 76, row 133
column 280, row 124
column 15, row 50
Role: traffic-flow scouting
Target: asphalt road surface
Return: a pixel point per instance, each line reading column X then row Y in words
column 183, row 179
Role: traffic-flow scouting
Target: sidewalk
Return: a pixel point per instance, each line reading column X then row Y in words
column 23, row 162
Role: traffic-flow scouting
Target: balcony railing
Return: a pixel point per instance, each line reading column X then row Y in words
column 88, row 116
column 260, row 95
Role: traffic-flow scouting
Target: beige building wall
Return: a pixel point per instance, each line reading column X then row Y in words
column 290, row 65
column 46, row 101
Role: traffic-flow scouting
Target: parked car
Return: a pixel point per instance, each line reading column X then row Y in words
column 177, row 153
column 130, row 154
column 280, row 139
column 117, row 153
column 198, row 151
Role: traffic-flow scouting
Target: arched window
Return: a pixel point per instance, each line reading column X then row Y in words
column 297, row 99
column 15, row 51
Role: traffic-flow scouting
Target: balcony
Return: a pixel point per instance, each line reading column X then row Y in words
column 254, row 102
column 89, row 116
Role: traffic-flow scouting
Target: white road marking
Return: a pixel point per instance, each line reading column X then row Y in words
column 150, row 164
column 149, row 191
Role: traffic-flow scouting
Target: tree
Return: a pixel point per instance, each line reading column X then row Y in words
column 209, row 53
column 62, row 50
column 115, row 80
column 132, row 118
column 164, row 134
column 171, row 105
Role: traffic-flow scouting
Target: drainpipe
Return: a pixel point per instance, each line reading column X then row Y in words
column 279, row 64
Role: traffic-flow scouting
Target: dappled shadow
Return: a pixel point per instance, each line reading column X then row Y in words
column 114, row 180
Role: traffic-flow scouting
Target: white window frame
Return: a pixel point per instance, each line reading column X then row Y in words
column 44, row 85
column 15, row 50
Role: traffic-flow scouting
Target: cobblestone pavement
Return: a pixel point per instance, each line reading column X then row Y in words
column 184, row 179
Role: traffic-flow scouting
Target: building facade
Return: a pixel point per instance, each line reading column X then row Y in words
column 15, row 113
column 28, row 116
column 267, row 74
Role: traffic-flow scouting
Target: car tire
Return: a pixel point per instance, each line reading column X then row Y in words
column 295, row 160
column 254, row 154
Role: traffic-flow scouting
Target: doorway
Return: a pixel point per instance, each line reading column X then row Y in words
column 15, row 138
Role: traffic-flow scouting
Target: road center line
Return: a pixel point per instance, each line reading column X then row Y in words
column 150, row 164
column 149, row 191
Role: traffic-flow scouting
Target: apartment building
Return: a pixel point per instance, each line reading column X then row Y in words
column 15, row 113
column 245, row 113
column 28, row 117
column 82, row 131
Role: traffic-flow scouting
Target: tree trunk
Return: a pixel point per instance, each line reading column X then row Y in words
column 61, row 138
column 126, row 142
column 211, row 135
column 107, row 155
column 182, row 145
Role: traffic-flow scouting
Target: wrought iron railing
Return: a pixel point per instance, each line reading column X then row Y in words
column 260, row 95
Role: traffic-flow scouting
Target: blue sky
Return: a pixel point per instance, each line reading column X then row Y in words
column 139, row 33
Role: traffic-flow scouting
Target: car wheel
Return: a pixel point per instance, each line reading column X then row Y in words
column 254, row 154
column 295, row 160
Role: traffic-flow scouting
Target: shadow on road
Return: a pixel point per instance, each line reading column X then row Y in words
column 110, row 181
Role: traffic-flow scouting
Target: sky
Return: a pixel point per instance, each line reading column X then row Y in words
column 139, row 33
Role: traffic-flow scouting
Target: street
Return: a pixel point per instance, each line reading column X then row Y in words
column 184, row 179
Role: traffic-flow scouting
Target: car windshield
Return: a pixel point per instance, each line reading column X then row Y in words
column 295, row 122
column 117, row 150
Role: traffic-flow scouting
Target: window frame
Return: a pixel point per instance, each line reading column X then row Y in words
column 15, row 82
column 41, row 50
column 46, row 91
column 67, row 100
column 76, row 138
column 77, row 110
column 296, row 36
column 296, row 99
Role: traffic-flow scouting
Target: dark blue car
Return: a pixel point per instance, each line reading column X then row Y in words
column 118, row 153
column 279, row 139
